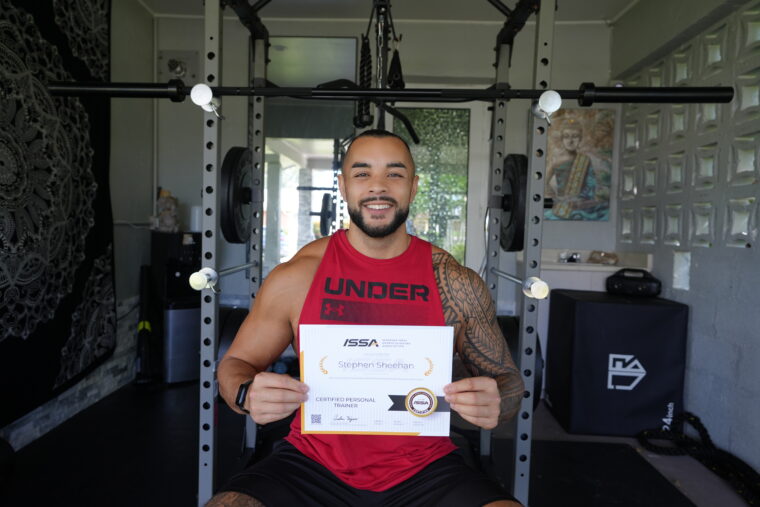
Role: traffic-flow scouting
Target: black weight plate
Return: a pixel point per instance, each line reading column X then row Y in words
column 235, row 195
column 325, row 214
column 514, row 186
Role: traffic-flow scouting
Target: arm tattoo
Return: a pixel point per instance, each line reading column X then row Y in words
column 233, row 499
column 468, row 306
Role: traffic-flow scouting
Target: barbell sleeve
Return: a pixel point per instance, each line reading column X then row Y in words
column 533, row 287
column 175, row 89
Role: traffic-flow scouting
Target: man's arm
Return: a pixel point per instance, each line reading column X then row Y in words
column 494, row 392
column 261, row 339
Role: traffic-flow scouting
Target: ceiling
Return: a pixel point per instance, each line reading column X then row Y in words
column 453, row 10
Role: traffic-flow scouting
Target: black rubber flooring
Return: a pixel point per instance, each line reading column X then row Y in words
column 138, row 447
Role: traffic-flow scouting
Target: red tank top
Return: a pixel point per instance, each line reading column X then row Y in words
column 351, row 288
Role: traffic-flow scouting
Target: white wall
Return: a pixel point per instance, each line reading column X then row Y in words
column 448, row 53
column 131, row 143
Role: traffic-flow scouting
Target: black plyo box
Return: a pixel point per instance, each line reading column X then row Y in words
column 615, row 364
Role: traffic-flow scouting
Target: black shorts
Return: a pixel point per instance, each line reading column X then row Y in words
column 286, row 478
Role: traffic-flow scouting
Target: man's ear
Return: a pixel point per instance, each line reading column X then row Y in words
column 415, row 182
column 341, row 185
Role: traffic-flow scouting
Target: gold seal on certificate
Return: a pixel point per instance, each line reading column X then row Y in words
column 421, row 402
column 376, row 380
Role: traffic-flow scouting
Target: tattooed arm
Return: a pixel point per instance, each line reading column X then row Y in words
column 493, row 393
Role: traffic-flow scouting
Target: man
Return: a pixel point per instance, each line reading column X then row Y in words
column 580, row 181
column 378, row 182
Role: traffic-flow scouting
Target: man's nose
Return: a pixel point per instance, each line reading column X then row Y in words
column 378, row 184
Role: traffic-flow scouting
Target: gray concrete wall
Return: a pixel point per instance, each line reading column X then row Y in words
column 720, row 282
column 652, row 28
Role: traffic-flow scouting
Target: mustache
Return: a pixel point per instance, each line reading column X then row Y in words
column 378, row 199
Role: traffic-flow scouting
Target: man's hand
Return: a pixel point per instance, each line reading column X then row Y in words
column 274, row 396
column 476, row 399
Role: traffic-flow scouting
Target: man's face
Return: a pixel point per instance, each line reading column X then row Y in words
column 378, row 184
column 571, row 139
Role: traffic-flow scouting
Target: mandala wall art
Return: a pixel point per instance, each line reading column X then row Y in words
column 57, row 314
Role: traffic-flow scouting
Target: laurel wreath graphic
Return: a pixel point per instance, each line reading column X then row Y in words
column 430, row 370
column 322, row 365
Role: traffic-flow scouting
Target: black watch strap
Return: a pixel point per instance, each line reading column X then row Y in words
column 242, row 394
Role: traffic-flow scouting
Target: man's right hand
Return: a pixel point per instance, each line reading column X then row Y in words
column 274, row 396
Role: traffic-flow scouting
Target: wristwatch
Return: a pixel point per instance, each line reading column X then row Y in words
column 242, row 394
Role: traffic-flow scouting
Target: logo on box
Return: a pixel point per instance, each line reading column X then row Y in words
column 625, row 372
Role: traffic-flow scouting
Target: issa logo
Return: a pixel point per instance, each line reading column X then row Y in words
column 625, row 372
column 360, row 342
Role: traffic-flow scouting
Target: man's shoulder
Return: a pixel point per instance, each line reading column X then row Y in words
column 462, row 290
column 444, row 262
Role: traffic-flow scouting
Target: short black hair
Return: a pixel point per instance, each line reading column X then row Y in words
column 379, row 133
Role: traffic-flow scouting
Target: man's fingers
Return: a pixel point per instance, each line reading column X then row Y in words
column 473, row 398
column 278, row 380
column 475, row 410
column 471, row 384
column 276, row 395
column 270, row 412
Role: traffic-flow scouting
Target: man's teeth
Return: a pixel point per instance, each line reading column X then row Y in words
column 378, row 206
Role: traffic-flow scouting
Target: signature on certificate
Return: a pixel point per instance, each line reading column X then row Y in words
column 347, row 418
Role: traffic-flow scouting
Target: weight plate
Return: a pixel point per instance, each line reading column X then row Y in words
column 235, row 195
column 325, row 214
column 514, row 186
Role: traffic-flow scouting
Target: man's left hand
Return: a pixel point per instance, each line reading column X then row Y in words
column 476, row 399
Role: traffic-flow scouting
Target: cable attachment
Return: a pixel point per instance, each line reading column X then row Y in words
column 395, row 75
column 363, row 117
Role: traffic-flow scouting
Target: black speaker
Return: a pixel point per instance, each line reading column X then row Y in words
column 614, row 364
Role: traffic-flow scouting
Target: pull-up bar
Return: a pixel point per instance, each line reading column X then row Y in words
column 586, row 95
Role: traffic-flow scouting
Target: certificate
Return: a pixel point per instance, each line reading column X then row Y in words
column 376, row 380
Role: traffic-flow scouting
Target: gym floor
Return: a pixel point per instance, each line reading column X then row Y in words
column 138, row 447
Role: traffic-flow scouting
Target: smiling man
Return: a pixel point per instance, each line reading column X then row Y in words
column 378, row 183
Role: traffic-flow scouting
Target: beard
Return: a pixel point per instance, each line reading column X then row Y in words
column 380, row 231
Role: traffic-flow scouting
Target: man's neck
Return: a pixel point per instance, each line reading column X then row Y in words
column 388, row 247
